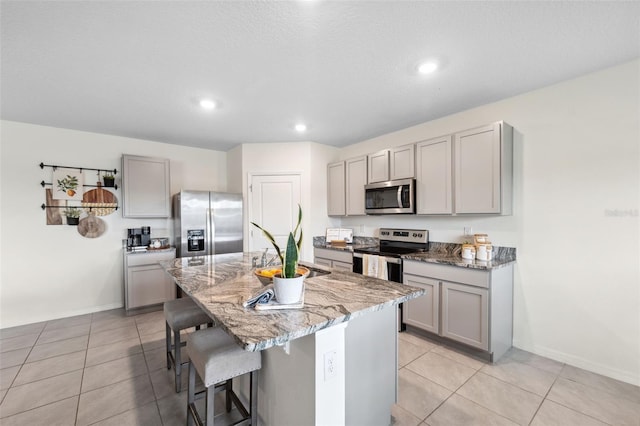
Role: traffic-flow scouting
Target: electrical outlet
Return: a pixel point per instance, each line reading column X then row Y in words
column 468, row 231
column 330, row 365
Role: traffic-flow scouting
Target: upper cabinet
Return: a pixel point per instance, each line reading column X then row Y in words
column 402, row 162
column 356, row 179
column 336, row 189
column 434, row 176
column 483, row 168
column 378, row 166
column 146, row 187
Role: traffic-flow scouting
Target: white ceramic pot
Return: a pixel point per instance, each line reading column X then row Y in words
column 288, row 290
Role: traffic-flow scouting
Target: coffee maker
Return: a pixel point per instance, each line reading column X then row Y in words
column 138, row 237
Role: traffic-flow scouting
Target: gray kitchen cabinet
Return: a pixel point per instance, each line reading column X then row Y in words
column 474, row 306
column 378, row 165
column 465, row 315
column 336, row 189
column 146, row 187
column 402, row 162
column 423, row 312
column 434, row 159
column 483, row 167
column 356, row 179
column 333, row 258
column 145, row 282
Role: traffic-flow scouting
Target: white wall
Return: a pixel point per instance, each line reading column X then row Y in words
column 51, row 272
column 309, row 159
column 577, row 155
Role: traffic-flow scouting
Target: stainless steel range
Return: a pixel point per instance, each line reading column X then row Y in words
column 393, row 244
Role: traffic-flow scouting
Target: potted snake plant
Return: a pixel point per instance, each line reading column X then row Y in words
column 289, row 284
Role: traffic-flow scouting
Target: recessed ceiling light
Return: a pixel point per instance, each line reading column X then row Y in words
column 207, row 104
column 427, row 67
column 301, row 127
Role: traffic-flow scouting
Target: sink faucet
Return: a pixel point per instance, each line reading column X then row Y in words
column 263, row 260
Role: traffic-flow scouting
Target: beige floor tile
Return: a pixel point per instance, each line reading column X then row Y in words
column 34, row 371
column 408, row 352
column 43, row 392
column 112, row 336
column 21, row 330
column 534, row 360
column 112, row 324
column 13, row 358
column 111, row 372
column 154, row 317
column 60, row 347
column 441, row 370
column 108, row 401
column 418, row 395
column 112, row 313
column 151, row 327
column 402, row 417
column 416, row 340
column 112, row 351
column 594, row 402
column 616, row 387
column 460, row 357
column 68, row 322
column 157, row 359
column 60, row 413
column 173, row 409
column 63, row 333
column 19, row 342
column 552, row 414
column 7, row 375
column 153, row 341
column 3, row 392
column 146, row 415
column 502, row 398
column 458, row 410
column 522, row 375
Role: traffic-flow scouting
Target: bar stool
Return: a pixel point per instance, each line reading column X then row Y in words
column 218, row 359
column 181, row 314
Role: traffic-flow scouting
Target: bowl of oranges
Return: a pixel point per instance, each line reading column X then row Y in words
column 265, row 275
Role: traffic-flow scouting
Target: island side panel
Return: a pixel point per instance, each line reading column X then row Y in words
column 371, row 368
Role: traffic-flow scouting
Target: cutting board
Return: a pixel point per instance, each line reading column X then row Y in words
column 100, row 202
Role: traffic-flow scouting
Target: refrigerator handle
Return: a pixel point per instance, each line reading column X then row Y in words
column 208, row 234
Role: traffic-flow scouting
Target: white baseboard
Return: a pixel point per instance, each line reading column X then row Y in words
column 576, row 361
column 66, row 314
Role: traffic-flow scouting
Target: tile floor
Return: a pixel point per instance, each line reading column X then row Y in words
column 110, row 369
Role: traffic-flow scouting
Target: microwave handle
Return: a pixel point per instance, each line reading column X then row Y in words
column 400, row 196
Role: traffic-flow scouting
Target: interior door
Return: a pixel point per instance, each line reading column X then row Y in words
column 274, row 202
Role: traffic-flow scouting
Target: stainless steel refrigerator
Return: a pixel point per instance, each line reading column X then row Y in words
column 207, row 223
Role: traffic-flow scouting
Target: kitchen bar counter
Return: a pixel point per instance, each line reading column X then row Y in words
column 332, row 362
column 220, row 284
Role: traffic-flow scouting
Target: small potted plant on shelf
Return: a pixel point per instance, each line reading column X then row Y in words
column 73, row 215
column 288, row 285
column 109, row 180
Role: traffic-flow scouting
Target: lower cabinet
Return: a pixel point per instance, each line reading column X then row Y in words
column 145, row 282
column 423, row 312
column 333, row 258
column 469, row 306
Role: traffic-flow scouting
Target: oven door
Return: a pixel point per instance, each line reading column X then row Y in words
column 392, row 197
column 394, row 267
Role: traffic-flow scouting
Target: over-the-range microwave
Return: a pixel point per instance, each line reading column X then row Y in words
column 391, row 197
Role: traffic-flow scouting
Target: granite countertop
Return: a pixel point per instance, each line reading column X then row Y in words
column 221, row 283
column 442, row 253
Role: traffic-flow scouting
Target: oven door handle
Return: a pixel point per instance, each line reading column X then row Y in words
column 395, row 260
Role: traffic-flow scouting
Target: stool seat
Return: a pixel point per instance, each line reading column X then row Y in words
column 217, row 357
column 184, row 313
column 179, row 315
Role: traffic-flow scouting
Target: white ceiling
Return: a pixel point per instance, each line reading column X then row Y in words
column 346, row 68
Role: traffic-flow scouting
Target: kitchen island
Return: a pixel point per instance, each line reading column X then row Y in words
column 332, row 362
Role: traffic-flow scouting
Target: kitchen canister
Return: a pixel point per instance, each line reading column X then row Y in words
column 484, row 251
column 468, row 251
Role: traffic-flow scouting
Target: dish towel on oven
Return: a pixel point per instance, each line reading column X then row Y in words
column 374, row 266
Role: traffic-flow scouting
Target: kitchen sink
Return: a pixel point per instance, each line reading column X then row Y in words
column 315, row 272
